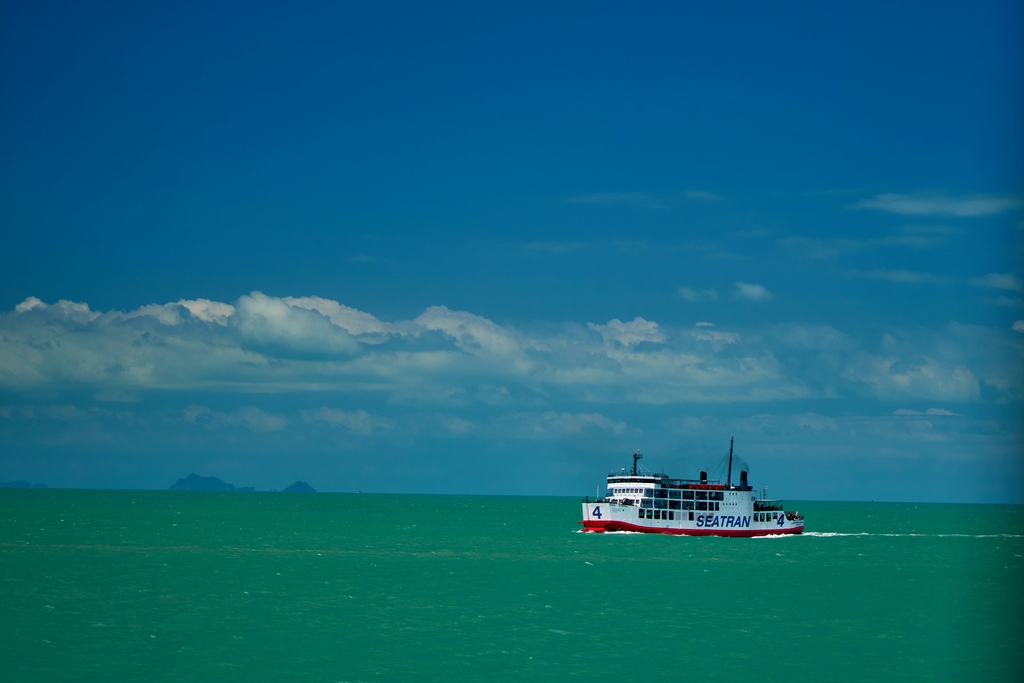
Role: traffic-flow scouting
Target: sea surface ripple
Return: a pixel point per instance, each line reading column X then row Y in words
column 171, row 586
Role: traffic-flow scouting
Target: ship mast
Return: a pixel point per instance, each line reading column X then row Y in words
column 636, row 456
column 728, row 479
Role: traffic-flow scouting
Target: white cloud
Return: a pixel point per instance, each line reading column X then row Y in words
column 472, row 333
column 458, row 425
column 629, row 334
column 899, row 276
column 924, row 204
column 353, row 321
column 278, row 328
column 258, row 420
column 715, row 336
column 892, row 378
column 750, row 292
column 703, row 324
column 64, row 309
column 358, row 421
column 460, row 360
column 166, row 314
column 696, row 295
column 931, row 411
column 249, row 417
column 1018, row 326
column 999, row 281
column 208, row 311
column 939, row 411
column 28, row 304
column 916, row 237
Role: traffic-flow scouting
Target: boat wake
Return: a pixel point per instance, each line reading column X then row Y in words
column 832, row 534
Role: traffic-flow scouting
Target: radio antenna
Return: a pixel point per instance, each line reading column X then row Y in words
column 728, row 478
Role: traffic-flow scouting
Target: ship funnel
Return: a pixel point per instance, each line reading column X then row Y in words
column 703, row 477
column 743, row 480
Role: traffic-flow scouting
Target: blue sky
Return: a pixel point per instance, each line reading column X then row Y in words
column 396, row 247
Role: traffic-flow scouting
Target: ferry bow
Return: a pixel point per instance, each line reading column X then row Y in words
column 656, row 503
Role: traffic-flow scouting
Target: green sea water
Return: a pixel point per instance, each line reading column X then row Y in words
column 173, row 586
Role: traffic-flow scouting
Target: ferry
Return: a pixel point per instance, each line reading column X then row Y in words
column 657, row 504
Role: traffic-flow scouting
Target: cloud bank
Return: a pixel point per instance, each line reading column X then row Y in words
column 283, row 384
column 267, row 344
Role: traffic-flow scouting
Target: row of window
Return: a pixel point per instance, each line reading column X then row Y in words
column 679, row 504
column 627, row 491
column 765, row 516
column 661, row 514
column 673, row 494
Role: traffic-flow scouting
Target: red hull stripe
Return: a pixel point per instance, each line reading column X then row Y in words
column 591, row 525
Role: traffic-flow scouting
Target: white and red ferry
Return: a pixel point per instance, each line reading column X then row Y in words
column 655, row 503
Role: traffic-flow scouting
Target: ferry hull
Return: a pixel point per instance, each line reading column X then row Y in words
column 592, row 526
column 738, row 520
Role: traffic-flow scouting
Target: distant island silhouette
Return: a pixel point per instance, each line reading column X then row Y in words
column 194, row 482
column 25, row 485
column 300, row 487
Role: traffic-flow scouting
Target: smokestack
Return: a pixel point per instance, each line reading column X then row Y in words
column 743, row 480
column 703, row 477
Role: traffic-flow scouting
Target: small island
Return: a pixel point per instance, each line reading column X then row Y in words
column 300, row 487
column 194, row 482
column 19, row 484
